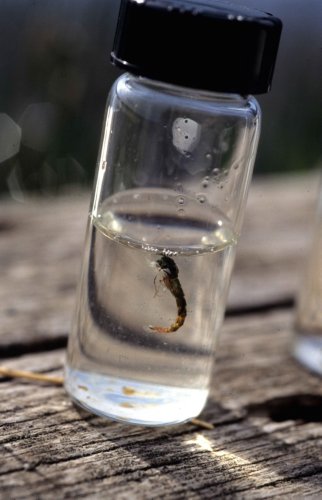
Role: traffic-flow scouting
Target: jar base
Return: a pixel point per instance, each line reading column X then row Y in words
column 307, row 349
column 133, row 402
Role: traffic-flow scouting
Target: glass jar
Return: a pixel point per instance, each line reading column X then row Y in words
column 168, row 202
column 307, row 342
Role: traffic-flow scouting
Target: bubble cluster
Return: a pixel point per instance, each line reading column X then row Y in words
column 149, row 248
column 168, row 252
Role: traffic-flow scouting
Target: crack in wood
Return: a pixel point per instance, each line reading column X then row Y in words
column 286, row 303
column 303, row 407
column 15, row 350
column 7, row 225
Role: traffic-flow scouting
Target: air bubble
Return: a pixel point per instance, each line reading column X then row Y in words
column 208, row 156
column 180, row 200
column 201, row 198
column 205, row 183
column 181, row 212
column 215, row 171
column 136, row 196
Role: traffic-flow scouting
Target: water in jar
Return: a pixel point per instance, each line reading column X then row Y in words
column 127, row 357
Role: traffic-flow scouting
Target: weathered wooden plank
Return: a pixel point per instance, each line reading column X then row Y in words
column 273, row 246
column 41, row 244
column 48, row 445
column 40, row 257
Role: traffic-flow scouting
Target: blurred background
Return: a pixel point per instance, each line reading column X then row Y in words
column 55, row 76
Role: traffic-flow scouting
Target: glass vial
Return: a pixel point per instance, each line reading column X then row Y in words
column 178, row 147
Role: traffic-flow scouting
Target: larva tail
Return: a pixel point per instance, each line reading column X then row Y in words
column 172, row 328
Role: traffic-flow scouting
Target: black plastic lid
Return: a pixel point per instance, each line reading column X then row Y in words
column 210, row 45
